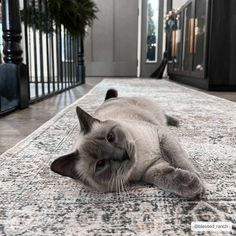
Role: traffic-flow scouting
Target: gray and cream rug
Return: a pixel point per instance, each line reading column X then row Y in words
column 36, row 201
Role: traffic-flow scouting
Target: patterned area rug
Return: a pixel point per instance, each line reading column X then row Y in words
column 36, row 201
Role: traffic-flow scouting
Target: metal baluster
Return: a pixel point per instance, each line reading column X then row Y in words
column 58, row 58
column 41, row 49
column 52, row 50
column 35, row 53
column 47, row 49
column 75, row 57
column 61, row 63
column 80, row 73
column 71, row 61
column 26, row 18
column 13, row 74
column 65, row 57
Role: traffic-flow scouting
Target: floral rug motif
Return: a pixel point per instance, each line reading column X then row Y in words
column 36, row 201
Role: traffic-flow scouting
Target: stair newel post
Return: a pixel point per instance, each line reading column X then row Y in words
column 13, row 73
column 80, row 72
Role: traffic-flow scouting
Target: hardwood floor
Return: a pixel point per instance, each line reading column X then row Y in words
column 231, row 96
column 17, row 125
column 226, row 95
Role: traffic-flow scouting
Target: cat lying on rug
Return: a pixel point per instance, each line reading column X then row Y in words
column 127, row 140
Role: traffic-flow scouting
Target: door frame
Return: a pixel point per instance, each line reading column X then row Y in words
column 145, row 69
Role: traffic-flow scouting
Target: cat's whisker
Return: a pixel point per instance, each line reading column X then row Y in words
column 110, row 183
column 121, row 172
column 116, row 185
column 124, row 187
column 118, row 182
column 121, row 189
column 113, row 180
column 118, row 188
column 122, row 184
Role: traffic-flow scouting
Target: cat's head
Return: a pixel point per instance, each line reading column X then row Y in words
column 104, row 155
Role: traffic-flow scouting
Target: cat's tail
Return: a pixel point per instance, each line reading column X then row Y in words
column 111, row 93
column 171, row 121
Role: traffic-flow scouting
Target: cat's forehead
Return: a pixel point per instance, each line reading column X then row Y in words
column 91, row 148
column 98, row 130
column 93, row 144
column 101, row 128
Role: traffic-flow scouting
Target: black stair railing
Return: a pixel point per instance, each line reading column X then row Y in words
column 13, row 73
column 40, row 57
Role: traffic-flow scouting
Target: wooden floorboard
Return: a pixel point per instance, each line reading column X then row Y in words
column 17, row 125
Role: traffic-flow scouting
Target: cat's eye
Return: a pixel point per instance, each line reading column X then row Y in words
column 100, row 164
column 110, row 137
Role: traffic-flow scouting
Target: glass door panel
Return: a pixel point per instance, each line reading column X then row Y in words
column 187, row 38
column 199, row 35
column 177, row 53
column 152, row 31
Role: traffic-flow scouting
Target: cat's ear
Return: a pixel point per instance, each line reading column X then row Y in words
column 86, row 121
column 65, row 165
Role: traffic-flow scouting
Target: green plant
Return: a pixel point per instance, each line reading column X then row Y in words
column 74, row 15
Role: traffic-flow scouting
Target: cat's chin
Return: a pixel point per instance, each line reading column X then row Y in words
column 109, row 180
column 118, row 187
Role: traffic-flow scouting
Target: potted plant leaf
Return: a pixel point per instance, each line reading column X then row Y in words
column 74, row 15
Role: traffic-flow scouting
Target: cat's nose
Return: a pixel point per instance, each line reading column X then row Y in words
column 122, row 157
column 125, row 156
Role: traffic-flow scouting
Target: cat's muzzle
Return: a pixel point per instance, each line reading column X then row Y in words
column 125, row 156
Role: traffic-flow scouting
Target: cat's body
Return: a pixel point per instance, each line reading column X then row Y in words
column 127, row 140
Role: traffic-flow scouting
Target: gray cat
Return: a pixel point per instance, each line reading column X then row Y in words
column 127, row 140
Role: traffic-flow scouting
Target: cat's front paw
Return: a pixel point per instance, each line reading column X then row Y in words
column 190, row 185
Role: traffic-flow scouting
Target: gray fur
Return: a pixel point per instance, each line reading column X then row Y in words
column 127, row 140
